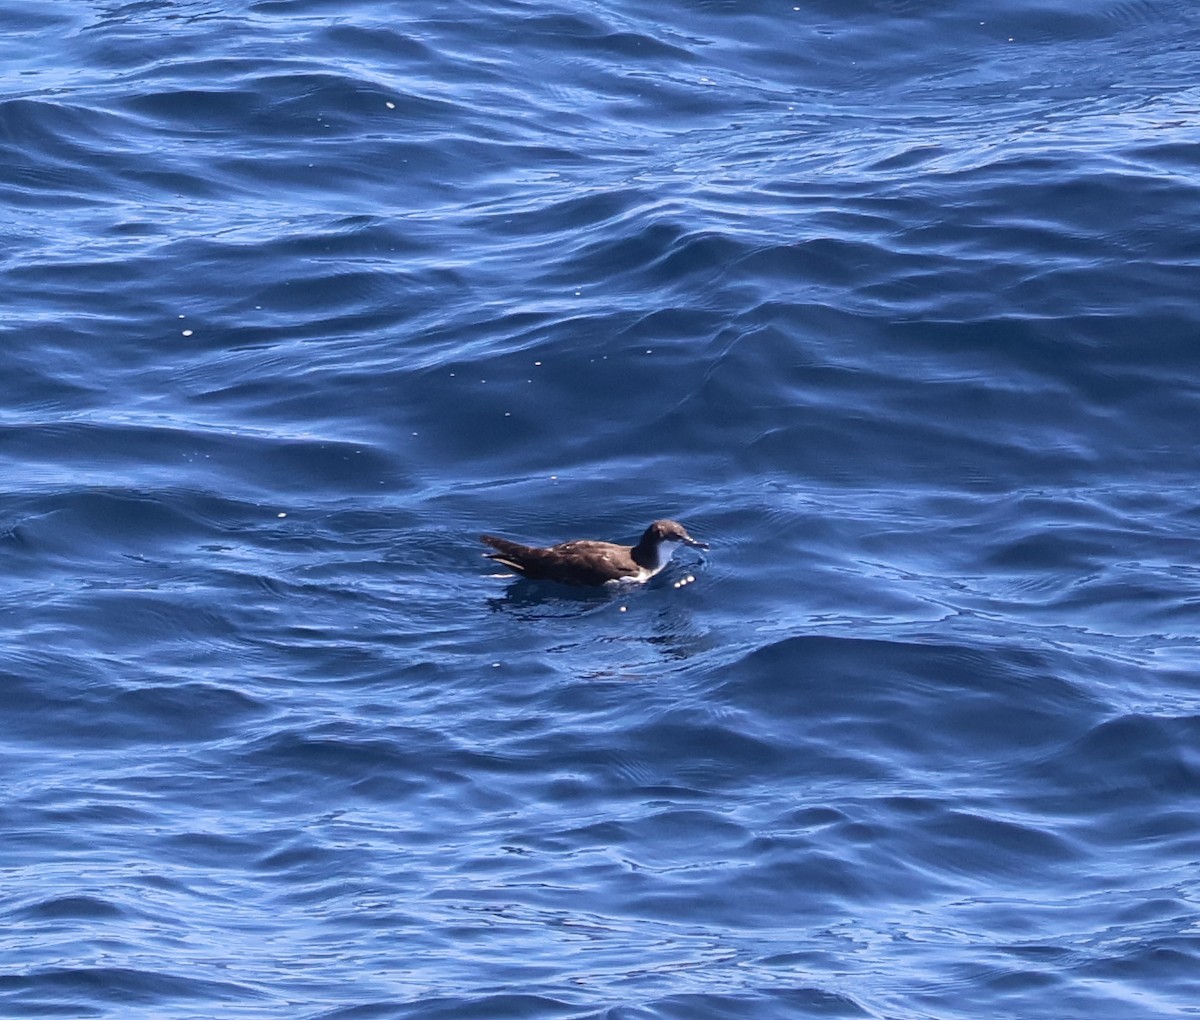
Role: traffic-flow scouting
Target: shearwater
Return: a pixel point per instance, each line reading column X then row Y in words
column 587, row 562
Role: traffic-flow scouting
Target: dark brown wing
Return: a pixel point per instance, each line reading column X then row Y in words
column 581, row 562
column 587, row 562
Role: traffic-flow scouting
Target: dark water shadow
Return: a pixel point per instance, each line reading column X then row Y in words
column 546, row 600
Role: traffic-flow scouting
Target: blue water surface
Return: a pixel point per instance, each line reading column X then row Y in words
column 893, row 303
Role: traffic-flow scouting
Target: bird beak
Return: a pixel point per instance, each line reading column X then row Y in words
column 694, row 543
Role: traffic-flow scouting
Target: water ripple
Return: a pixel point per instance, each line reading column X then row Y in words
column 890, row 304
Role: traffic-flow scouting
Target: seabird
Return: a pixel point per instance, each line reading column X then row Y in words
column 586, row 562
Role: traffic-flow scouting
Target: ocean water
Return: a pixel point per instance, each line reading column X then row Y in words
column 896, row 304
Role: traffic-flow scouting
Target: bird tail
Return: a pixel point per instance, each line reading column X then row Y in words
column 507, row 553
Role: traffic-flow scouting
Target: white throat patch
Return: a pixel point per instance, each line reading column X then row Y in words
column 665, row 551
